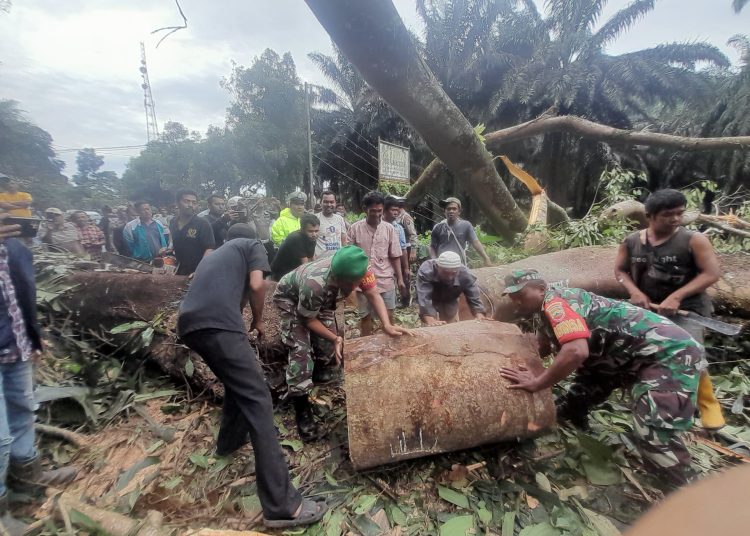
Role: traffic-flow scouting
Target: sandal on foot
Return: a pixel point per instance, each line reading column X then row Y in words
column 311, row 512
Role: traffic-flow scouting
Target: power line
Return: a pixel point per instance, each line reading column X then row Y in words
column 371, row 176
column 364, row 151
column 102, row 149
column 347, row 177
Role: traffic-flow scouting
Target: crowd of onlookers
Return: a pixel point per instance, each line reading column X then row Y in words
column 182, row 235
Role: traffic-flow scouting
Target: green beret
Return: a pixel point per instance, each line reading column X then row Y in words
column 349, row 263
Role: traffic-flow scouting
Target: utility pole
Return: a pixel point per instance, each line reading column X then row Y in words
column 309, row 145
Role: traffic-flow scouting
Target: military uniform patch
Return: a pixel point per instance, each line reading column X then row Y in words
column 556, row 311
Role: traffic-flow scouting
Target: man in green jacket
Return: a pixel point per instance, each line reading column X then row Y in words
column 288, row 220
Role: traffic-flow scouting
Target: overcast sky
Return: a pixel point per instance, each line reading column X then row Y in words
column 73, row 65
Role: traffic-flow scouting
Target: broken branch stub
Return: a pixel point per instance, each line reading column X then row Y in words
column 440, row 391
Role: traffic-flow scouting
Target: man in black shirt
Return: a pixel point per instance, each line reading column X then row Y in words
column 216, row 204
column 210, row 323
column 192, row 235
column 298, row 248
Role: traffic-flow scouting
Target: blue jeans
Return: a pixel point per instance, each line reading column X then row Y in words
column 16, row 416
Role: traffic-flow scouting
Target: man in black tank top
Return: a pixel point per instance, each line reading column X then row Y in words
column 669, row 267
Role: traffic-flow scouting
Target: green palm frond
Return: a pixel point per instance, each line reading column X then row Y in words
column 684, row 54
column 742, row 44
column 619, row 23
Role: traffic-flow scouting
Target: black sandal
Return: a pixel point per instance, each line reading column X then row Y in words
column 310, row 513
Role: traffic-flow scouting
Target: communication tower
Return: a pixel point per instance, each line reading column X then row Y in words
column 152, row 128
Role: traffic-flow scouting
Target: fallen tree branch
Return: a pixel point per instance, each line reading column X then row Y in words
column 71, row 437
column 635, row 210
column 112, row 522
column 724, row 225
column 429, row 176
column 572, row 124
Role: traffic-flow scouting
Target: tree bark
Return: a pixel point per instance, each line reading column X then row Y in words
column 588, row 129
column 440, row 391
column 592, row 269
column 429, row 176
column 378, row 44
column 102, row 300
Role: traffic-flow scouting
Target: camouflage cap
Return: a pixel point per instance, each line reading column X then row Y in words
column 518, row 279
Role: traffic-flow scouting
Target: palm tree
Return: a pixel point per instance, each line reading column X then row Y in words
column 565, row 67
column 346, row 136
column 459, row 46
column 729, row 115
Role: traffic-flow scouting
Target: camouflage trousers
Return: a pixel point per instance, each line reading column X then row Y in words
column 305, row 347
column 664, row 402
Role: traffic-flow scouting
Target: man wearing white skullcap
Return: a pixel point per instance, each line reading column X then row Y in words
column 440, row 282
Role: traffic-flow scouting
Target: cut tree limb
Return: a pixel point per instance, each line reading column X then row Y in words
column 71, row 437
column 429, row 177
column 635, row 210
column 572, row 124
column 113, row 523
column 374, row 38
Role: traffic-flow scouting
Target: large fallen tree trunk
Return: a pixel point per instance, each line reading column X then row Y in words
column 103, row 300
column 592, row 268
column 439, row 391
column 375, row 40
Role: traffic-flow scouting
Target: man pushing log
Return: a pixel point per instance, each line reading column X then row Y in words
column 611, row 344
column 440, row 282
column 306, row 298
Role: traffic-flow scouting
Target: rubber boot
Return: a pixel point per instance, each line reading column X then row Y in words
column 9, row 524
column 306, row 426
column 709, row 408
column 28, row 477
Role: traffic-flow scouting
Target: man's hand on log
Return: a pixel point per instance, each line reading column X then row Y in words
column 521, row 378
column 639, row 299
column 397, row 331
column 258, row 326
column 431, row 321
column 480, row 316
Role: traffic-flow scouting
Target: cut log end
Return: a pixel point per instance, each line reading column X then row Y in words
column 439, row 391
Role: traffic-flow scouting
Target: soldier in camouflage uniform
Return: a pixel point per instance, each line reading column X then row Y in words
column 611, row 344
column 306, row 298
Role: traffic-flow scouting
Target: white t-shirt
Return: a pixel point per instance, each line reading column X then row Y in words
column 331, row 229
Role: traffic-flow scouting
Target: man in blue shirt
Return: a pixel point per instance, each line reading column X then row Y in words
column 144, row 235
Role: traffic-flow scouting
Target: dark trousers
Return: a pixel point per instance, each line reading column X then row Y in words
column 248, row 408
